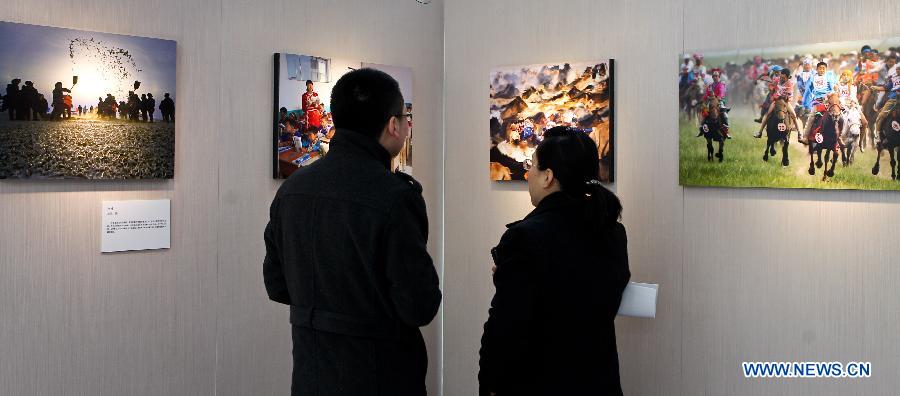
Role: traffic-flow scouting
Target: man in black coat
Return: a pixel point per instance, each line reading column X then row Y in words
column 346, row 249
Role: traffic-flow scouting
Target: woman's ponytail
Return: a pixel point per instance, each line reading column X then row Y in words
column 603, row 207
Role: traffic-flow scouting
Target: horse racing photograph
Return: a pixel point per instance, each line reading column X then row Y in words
column 85, row 105
column 817, row 116
column 528, row 100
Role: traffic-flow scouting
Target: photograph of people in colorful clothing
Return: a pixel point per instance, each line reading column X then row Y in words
column 303, row 124
column 820, row 116
column 528, row 100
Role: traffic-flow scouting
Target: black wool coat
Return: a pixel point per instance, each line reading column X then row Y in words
column 346, row 249
column 550, row 329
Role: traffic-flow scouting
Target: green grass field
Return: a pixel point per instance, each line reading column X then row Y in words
column 744, row 167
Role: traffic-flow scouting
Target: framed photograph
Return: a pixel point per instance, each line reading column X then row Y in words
column 527, row 100
column 303, row 125
column 85, row 105
column 818, row 116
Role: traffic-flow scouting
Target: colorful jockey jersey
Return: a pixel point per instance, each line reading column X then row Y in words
column 311, row 109
column 818, row 88
column 803, row 78
column 716, row 89
column 759, row 70
column 893, row 83
column 867, row 71
column 784, row 91
column 685, row 77
column 846, row 93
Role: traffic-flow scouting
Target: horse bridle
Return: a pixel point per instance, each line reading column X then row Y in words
column 832, row 106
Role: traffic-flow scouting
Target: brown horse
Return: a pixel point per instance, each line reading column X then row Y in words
column 690, row 98
column 890, row 141
column 867, row 95
column 826, row 135
column 712, row 127
column 777, row 130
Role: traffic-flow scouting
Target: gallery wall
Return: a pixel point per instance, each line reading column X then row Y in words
column 80, row 323
column 254, row 334
column 194, row 319
column 745, row 275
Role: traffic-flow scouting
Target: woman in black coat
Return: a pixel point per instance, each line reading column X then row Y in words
column 559, row 277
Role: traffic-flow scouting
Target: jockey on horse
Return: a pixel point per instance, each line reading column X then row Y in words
column 772, row 79
column 716, row 91
column 784, row 90
column 855, row 125
column 815, row 93
column 803, row 75
column 713, row 128
column 867, row 72
column 892, row 90
column 845, row 88
column 826, row 135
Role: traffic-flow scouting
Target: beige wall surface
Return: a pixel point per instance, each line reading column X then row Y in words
column 194, row 319
column 743, row 274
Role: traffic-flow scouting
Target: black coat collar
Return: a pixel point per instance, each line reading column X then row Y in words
column 347, row 140
column 551, row 202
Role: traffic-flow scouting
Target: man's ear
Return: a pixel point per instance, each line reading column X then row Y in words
column 394, row 126
column 548, row 178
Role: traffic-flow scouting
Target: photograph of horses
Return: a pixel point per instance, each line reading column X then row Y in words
column 303, row 125
column 528, row 100
column 85, row 105
column 818, row 116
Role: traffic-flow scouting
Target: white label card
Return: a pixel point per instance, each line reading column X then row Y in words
column 135, row 225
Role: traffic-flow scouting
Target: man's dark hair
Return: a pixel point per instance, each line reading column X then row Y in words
column 821, row 64
column 308, row 82
column 364, row 100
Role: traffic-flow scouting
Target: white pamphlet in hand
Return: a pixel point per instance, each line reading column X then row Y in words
column 639, row 300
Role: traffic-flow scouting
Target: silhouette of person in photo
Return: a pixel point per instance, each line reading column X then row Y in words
column 167, row 108
column 150, row 106
column 11, row 100
column 144, row 107
column 59, row 101
column 28, row 102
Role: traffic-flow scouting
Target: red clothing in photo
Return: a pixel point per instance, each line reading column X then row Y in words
column 312, row 109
